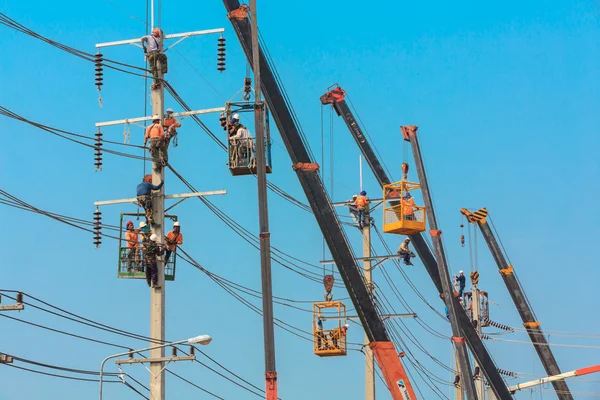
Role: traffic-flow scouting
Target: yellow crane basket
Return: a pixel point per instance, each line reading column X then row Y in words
column 400, row 213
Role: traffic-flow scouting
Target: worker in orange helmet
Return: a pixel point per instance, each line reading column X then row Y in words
column 362, row 207
column 153, row 49
column 158, row 145
column 172, row 240
column 170, row 125
column 133, row 246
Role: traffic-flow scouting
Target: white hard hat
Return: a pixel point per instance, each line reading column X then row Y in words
column 407, row 240
column 153, row 237
column 176, row 224
column 155, row 117
column 236, row 116
column 169, row 110
column 142, row 224
column 346, row 326
column 461, row 272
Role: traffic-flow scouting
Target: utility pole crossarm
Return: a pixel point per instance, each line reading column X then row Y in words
column 169, row 196
column 141, row 119
column 18, row 306
column 171, row 36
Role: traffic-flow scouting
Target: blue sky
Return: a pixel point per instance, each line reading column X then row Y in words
column 505, row 95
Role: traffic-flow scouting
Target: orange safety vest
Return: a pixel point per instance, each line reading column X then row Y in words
column 154, row 131
column 407, row 206
column 171, row 121
column 361, row 202
column 132, row 239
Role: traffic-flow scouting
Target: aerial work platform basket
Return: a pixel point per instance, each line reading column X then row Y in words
column 131, row 260
column 329, row 342
column 400, row 213
column 242, row 151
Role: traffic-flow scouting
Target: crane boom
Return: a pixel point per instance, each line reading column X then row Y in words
column 387, row 357
column 534, row 329
column 335, row 97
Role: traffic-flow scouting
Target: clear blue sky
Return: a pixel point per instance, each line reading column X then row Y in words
column 506, row 95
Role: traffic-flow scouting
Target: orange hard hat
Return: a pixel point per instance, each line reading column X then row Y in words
column 129, row 223
column 156, row 31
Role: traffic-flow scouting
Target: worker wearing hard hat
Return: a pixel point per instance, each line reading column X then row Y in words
column 153, row 47
column 158, row 146
column 461, row 282
column 143, row 231
column 172, row 240
column 362, row 206
column 133, row 246
column 408, row 207
column 241, row 151
column 338, row 334
column 352, row 207
column 170, row 125
column 144, row 196
column 405, row 252
column 152, row 250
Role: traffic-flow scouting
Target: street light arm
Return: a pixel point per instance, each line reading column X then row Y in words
column 139, row 351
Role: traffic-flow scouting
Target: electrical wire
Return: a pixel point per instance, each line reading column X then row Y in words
column 11, row 23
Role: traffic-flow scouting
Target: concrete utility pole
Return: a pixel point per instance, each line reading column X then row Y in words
column 263, row 213
column 369, row 359
column 475, row 301
column 157, row 294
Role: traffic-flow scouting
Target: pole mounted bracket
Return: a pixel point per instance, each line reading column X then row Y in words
column 457, row 339
column 506, row 271
column 532, row 325
column 239, row 13
column 305, row 166
column 264, row 235
column 435, row 232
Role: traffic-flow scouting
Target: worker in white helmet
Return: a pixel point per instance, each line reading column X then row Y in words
column 461, row 282
column 405, row 252
column 241, row 149
column 153, row 48
column 170, row 125
column 158, row 147
column 338, row 335
column 152, row 250
column 172, row 240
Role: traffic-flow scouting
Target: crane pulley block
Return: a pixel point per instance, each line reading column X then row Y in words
column 474, row 277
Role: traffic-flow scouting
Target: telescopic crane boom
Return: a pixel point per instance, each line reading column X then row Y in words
column 335, row 97
column 534, row 329
column 306, row 169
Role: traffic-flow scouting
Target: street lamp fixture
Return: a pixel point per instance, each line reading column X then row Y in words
column 202, row 339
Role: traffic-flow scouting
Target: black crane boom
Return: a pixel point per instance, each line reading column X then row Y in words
column 534, row 329
column 335, row 97
column 307, row 172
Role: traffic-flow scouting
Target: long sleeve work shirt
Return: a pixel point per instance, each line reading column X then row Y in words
column 152, row 43
column 144, row 188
